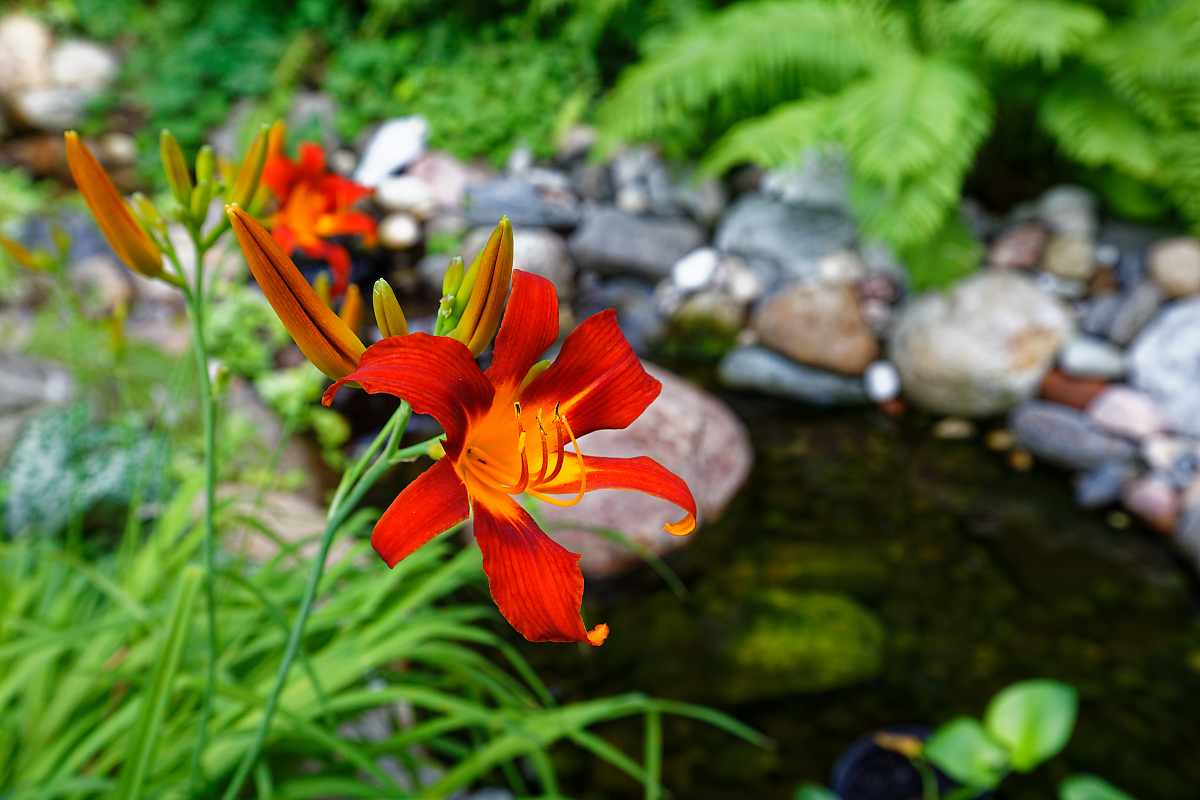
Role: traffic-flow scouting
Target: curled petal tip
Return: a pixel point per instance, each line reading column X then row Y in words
column 597, row 635
column 681, row 527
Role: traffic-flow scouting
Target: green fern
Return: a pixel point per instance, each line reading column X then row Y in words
column 1024, row 31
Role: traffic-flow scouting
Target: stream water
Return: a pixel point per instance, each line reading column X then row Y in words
column 870, row 574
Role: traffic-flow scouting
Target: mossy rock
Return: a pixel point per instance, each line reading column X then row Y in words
column 808, row 642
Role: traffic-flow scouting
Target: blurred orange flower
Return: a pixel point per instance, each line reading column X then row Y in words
column 315, row 205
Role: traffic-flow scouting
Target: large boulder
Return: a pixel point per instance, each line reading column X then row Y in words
column 979, row 348
column 818, row 325
column 796, row 237
column 611, row 241
column 1165, row 363
column 691, row 433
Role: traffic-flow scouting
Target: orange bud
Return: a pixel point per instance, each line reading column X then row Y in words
column 323, row 338
column 352, row 308
column 127, row 239
column 18, row 253
column 492, row 276
column 245, row 184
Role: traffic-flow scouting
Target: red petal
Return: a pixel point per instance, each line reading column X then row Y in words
column 535, row 581
column 338, row 259
column 641, row 474
column 530, row 325
column 312, row 160
column 278, row 175
column 597, row 378
column 435, row 374
column 435, row 502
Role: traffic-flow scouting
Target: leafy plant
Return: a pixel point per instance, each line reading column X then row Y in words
column 244, row 332
column 910, row 92
column 102, row 659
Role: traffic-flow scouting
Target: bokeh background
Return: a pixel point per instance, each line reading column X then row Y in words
column 919, row 279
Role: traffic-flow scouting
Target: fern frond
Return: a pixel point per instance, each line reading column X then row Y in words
column 1023, row 31
column 913, row 115
column 772, row 48
column 904, row 215
column 1182, row 152
column 947, row 255
column 1095, row 128
column 774, row 139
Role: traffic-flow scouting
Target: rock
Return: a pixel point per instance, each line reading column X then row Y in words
column 1162, row 450
column 702, row 199
column 104, row 281
column 576, row 143
column 537, row 250
column 26, row 388
column 713, row 308
column 79, row 64
column 980, row 348
column 399, row 231
column 521, row 202
column 314, row 114
column 1137, row 308
column 1019, row 247
column 807, row 642
column 794, row 237
column 642, row 183
column 1064, row 288
column 696, row 270
column 1102, row 485
column 1070, row 257
column 448, row 177
column 841, row 268
column 821, row 181
column 638, row 314
column 1132, row 242
column 1070, row 210
column 688, row 431
column 1058, row 387
column 24, row 53
column 1165, row 363
column 759, row 369
column 1187, row 534
column 1066, row 437
column 593, row 182
column 519, row 161
column 407, row 193
column 882, row 381
column 51, row 109
column 1098, row 314
column 613, row 242
column 1154, row 500
column 1126, row 412
column 818, row 325
column 394, row 145
column 1175, row 266
column 118, row 148
column 954, row 429
column 1089, row 357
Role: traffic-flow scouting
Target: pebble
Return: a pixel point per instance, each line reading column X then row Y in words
column 1091, row 357
column 1070, row 210
column 1136, row 309
column 759, row 369
column 1153, row 499
column 821, row 326
column 882, row 381
column 394, row 145
column 1019, row 247
column 399, row 231
column 1175, row 266
column 1066, row 437
column 1102, row 485
column 1126, row 412
column 1058, row 387
column 407, row 193
column 1070, row 257
column 696, row 270
column 954, row 428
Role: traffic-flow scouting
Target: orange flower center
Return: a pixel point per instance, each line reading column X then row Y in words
column 522, row 450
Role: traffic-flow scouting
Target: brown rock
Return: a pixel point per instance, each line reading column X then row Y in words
column 1020, row 247
column 688, row 431
column 1059, row 387
column 821, row 326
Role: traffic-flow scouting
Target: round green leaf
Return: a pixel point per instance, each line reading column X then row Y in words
column 963, row 750
column 1033, row 719
column 1089, row 787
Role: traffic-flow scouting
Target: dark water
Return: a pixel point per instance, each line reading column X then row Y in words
column 978, row 576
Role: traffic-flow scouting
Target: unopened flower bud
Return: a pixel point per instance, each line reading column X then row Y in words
column 389, row 316
column 175, row 168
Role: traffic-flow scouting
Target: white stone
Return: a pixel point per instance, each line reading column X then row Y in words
column 79, row 64
column 397, row 143
column 696, row 270
column 882, row 381
column 1089, row 357
column 399, row 231
column 406, row 193
column 841, row 268
column 52, row 109
column 24, row 53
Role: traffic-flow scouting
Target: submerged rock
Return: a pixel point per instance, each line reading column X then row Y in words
column 1165, row 362
column 1066, row 437
column 761, row 370
column 688, row 431
column 980, row 348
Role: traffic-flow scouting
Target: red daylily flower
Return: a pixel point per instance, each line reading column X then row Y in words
column 507, row 432
column 314, row 205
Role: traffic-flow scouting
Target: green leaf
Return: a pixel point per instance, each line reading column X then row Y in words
column 1034, row 719
column 963, row 750
column 145, row 738
column 811, row 791
column 1094, row 127
column 1023, row 31
column 1089, row 787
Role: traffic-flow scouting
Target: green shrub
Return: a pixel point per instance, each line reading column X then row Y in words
column 910, row 92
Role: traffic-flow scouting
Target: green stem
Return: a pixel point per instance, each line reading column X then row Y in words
column 208, row 411
column 345, row 500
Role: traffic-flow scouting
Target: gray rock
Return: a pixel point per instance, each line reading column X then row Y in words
column 1165, row 362
column 27, row 387
column 759, row 369
column 794, row 237
column 688, row 431
column 980, row 348
column 703, row 199
column 1066, row 437
column 822, row 180
column 613, row 242
column 537, row 250
column 53, row 108
column 1137, row 308
column 1098, row 314
column 639, row 316
column 1175, row 266
column 394, row 145
column 314, row 114
column 521, row 202
column 643, row 184
column 1070, row 210
column 448, row 177
column 1090, row 357
column 1132, row 242
column 1101, row 485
